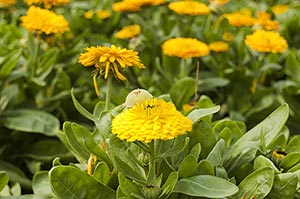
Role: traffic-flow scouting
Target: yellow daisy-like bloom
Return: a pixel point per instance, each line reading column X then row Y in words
column 189, row 8
column 264, row 20
column 89, row 14
column 103, row 14
column 218, row 46
column 134, row 5
column 106, row 59
column 128, row 32
column 44, row 21
column 240, row 18
column 6, row 3
column 151, row 120
column 185, row 48
column 219, row 2
column 266, row 41
column 227, row 36
column 47, row 3
column 280, row 9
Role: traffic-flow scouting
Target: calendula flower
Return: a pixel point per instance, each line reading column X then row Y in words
column 128, row 32
column 279, row 9
column 134, row 5
column 189, row 8
column 266, row 41
column 6, row 3
column 218, row 46
column 103, row 14
column 151, row 120
column 44, row 21
column 185, row 48
column 227, row 36
column 47, row 3
column 219, row 2
column 264, row 21
column 89, row 14
column 240, row 18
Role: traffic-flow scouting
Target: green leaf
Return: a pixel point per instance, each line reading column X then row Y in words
column 293, row 145
column 29, row 196
column 290, row 160
column 69, row 182
column 41, row 184
column 10, row 62
column 217, row 153
column 211, row 83
column 169, row 185
column 205, row 186
column 176, row 149
column 3, row 179
column 262, row 162
column 128, row 187
column 205, row 168
column 102, row 173
column 32, row 121
column 258, row 183
column 188, row 166
column 196, row 150
column 197, row 114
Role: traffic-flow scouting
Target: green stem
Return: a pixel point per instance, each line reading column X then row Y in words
column 108, row 92
column 152, row 165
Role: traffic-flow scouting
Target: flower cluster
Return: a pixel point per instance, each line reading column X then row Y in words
column 47, row 3
column 151, row 120
column 44, row 21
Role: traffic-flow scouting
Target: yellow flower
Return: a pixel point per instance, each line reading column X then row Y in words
column 189, row 8
column 151, row 120
column 185, row 48
column 280, row 9
column 266, row 41
column 219, row 2
column 240, row 18
column 47, row 3
column 103, row 14
column 264, row 20
column 218, row 46
column 134, row 5
column 6, row 3
column 44, row 21
column 88, row 14
column 128, row 32
column 227, row 36
column 107, row 59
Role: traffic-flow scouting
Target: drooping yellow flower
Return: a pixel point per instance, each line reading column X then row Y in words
column 128, row 32
column 240, row 18
column 189, row 8
column 103, row 14
column 6, row 3
column 280, row 9
column 44, row 21
column 219, row 2
column 153, row 119
column 264, row 21
column 227, row 36
column 88, row 14
column 107, row 59
column 218, row 46
column 266, row 41
column 47, row 3
column 185, row 48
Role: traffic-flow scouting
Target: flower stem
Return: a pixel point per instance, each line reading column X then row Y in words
column 108, row 92
column 152, row 164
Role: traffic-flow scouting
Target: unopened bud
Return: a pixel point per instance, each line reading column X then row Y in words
column 151, row 191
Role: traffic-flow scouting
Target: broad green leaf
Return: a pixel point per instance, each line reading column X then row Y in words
column 32, row 121
column 226, row 135
column 221, row 172
column 3, row 179
column 10, row 62
column 290, row 160
column 211, row 83
column 280, row 140
column 258, row 183
column 293, row 145
column 169, row 185
column 176, row 149
column 262, row 162
column 284, row 186
column 102, row 173
column 237, row 128
column 197, row 114
column 69, row 182
column 128, row 187
column 41, row 184
column 205, row 168
column 196, row 150
column 188, row 166
column 216, row 155
column 205, row 186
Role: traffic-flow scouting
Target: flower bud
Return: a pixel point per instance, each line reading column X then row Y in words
column 151, row 191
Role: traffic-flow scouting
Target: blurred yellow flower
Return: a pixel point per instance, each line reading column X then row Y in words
column 128, row 32
column 280, row 9
column 47, row 3
column 153, row 119
column 44, row 21
column 189, row 8
column 266, row 41
column 103, row 14
column 134, row 5
column 107, row 59
column 89, row 14
column 240, row 18
column 185, row 48
column 218, row 46
column 264, row 20
column 5, row 3
column 227, row 36
column 219, row 2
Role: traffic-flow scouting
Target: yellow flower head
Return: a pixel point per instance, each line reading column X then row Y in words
column 6, row 3
column 185, row 48
column 44, row 21
column 89, row 14
column 227, row 36
column 189, row 8
column 266, row 41
column 218, row 46
column 240, row 18
column 151, row 120
column 106, row 59
column 47, row 3
column 280, row 9
column 264, row 20
column 134, row 5
column 128, row 32
column 103, row 14
column 219, row 2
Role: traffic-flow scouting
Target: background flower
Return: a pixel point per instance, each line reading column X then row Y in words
column 218, row 46
column 189, row 8
column 47, row 3
column 128, row 32
column 240, row 19
column 4, row 3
